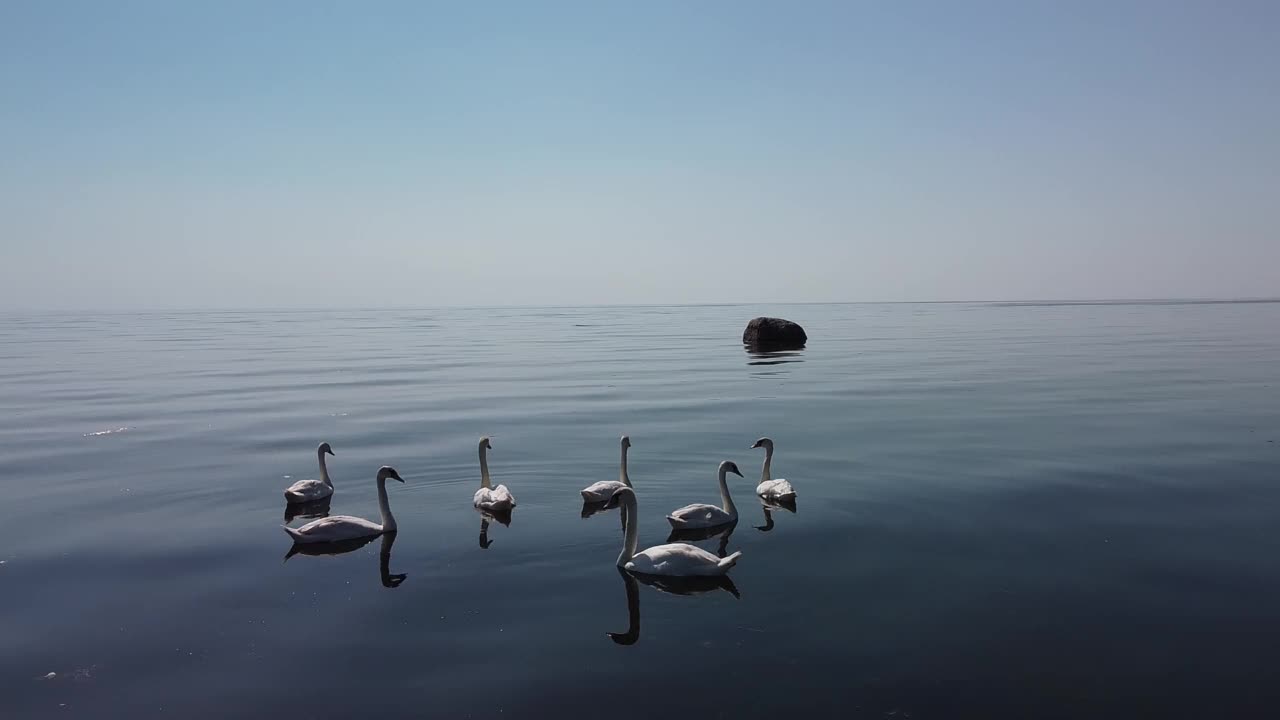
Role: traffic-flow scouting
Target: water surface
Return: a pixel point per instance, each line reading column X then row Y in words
column 1005, row 511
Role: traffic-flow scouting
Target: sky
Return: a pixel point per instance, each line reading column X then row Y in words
column 168, row 155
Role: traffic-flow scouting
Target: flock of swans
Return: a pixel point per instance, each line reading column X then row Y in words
column 672, row 560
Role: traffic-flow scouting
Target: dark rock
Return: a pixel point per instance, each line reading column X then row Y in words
column 774, row 332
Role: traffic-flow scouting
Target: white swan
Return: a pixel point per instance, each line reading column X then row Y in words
column 488, row 498
column 771, row 489
column 701, row 515
column 336, row 528
column 305, row 491
column 604, row 490
column 672, row 559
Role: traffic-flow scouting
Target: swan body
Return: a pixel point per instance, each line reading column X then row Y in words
column 605, row 489
column 337, row 528
column 770, row 489
column 701, row 515
column 601, row 491
column 680, row 559
column 775, row 489
column 488, row 498
column 672, row 559
column 494, row 499
column 305, row 491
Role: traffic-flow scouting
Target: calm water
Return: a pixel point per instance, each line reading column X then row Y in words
column 1004, row 511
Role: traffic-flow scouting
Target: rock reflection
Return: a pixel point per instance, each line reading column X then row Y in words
column 773, row 355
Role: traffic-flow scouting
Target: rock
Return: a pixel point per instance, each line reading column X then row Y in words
column 774, row 332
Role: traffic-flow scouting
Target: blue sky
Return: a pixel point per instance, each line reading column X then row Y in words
column 290, row 154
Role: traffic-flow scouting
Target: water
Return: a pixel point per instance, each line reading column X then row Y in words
column 1005, row 511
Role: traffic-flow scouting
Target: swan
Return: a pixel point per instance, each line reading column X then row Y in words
column 672, row 559
column 305, row 491
column 701, row 515
column 603, row 490
column 487, row 498
column 337, row 528
column 769, row 489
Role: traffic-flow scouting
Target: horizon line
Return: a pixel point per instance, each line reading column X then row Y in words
column 997, row 302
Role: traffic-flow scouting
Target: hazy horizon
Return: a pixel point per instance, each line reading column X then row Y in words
column 1037, row 302
column 309, row 156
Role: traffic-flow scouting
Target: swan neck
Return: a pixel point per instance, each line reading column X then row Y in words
column 324, row 469
column 768, row 463
column 729, row 507
column 622, row 469
column 484, row 468
column 388, row 520
column 633, row 529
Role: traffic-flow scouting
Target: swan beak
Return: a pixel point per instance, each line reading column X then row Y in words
column 735, row 472
column 330, row 452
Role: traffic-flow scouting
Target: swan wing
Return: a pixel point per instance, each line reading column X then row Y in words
column 603, row 490
column 308, row 490
column 503, row 496
column 699, row 515
column 775, row 489
column 676, row 559
column 494, row 498
column 334, row 528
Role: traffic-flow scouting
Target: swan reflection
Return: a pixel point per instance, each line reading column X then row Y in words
column 590, row 508
column 633, row 611
column 502, row 517
column 768, row 521
column 498, row 515
column 768, row 506
column 342, row 547
column 384, row 563
column 687, row 586
column 307, row 511
column 338, row 547
column 724, row 532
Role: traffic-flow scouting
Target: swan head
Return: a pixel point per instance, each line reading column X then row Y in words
column 763, row 442
column 728, row 466
column 626, row 441
column 485, row 444
column 324, row 449
column 386, row 471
